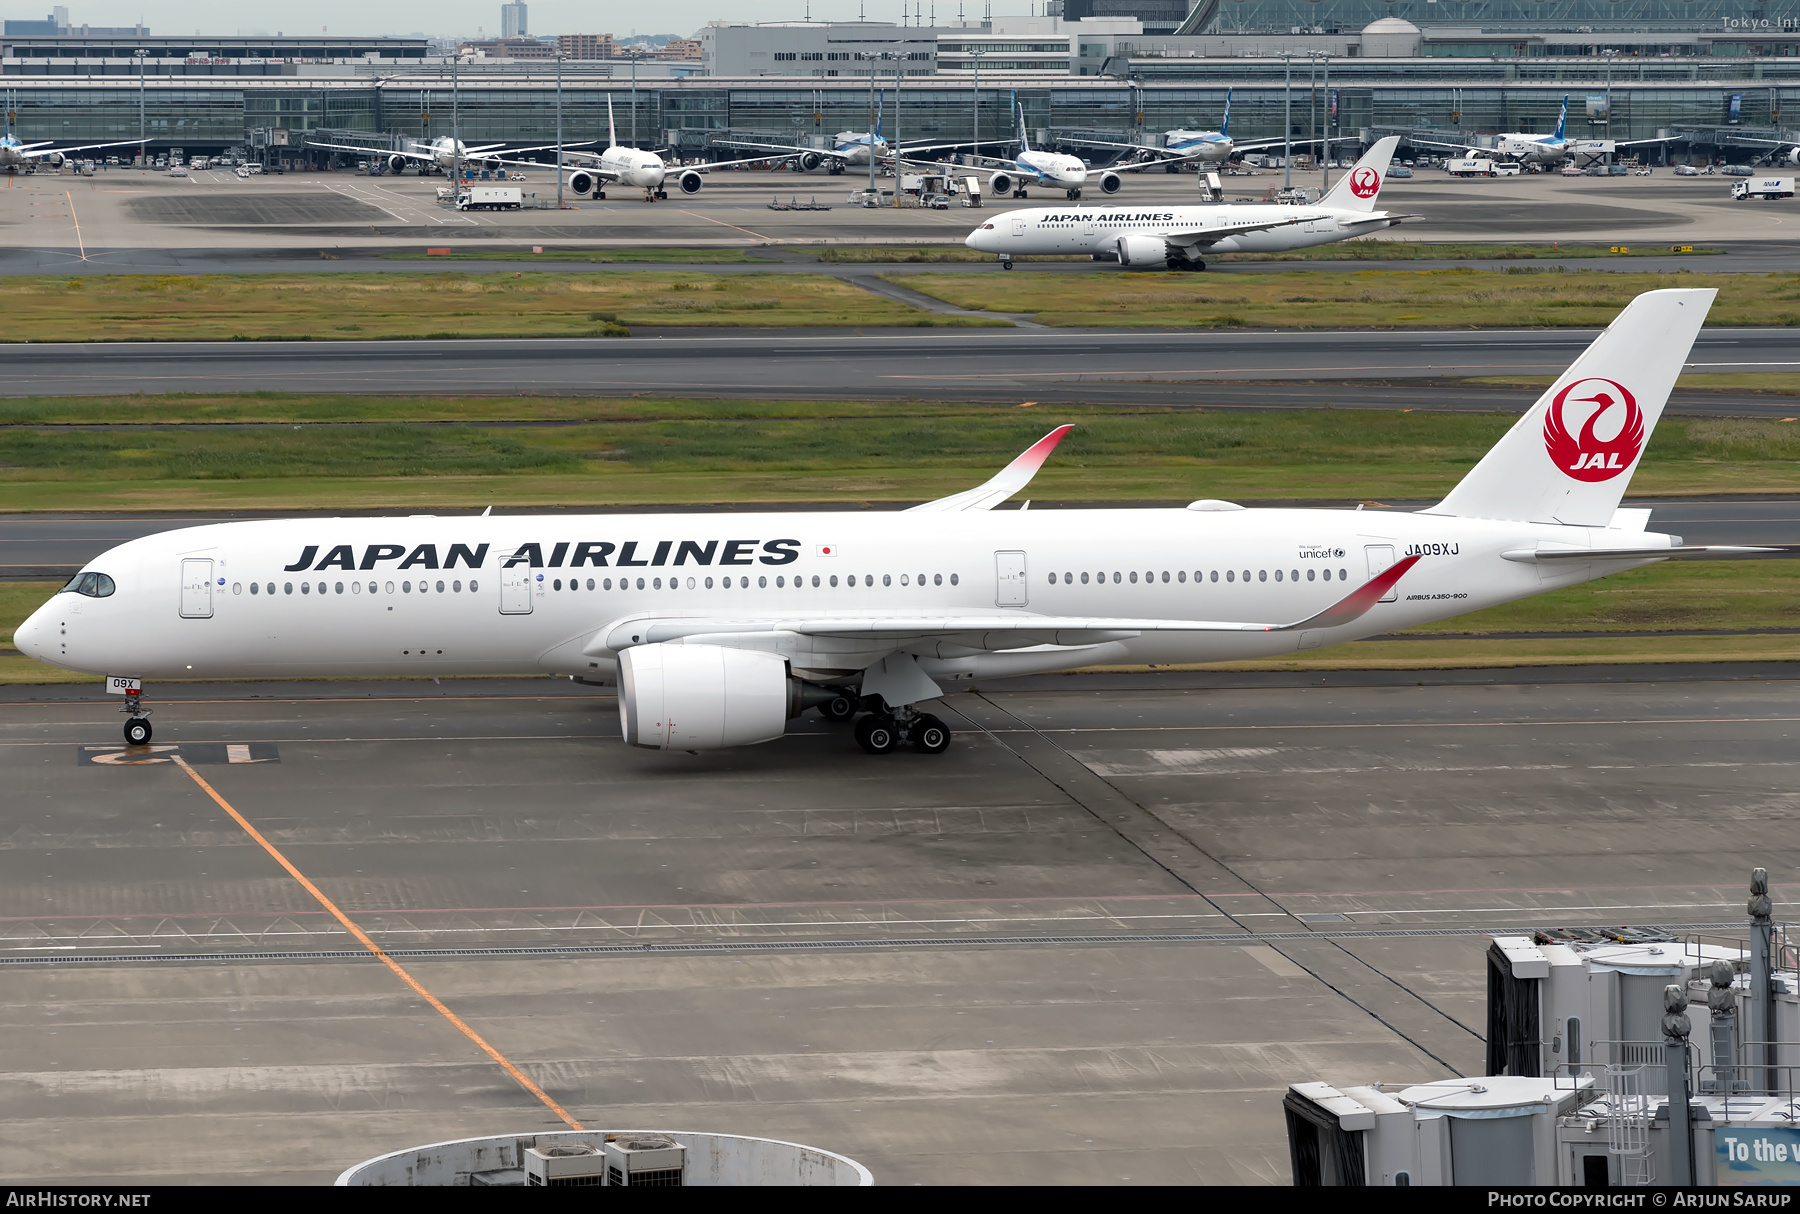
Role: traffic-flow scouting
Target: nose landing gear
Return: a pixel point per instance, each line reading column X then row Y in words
column 137, row 725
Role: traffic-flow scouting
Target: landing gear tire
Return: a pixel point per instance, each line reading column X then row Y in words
column 1074, row 194
column 600, row 194
column 877, row 734
column 662, row 195
column 1006, row 264
column 930, row 736
column 137, row 732
column 840, row 709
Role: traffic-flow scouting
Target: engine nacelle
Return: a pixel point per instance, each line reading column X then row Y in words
column 1000, row 184
column 806, row 162
column 702, row 697
column 1143, row 250
column 396, row 163
column 1110, row 182
column 1792, row 156
column 582, row 182
column 690, row 182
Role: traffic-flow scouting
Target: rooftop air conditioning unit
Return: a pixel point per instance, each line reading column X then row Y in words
column 574, row 1164
column 645, row 1159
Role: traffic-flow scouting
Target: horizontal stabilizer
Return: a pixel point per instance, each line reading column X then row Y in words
column 1008, row 481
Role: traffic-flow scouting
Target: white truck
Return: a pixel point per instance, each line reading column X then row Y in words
column 490, row 198
column 1469, row 168
column 1763, row 187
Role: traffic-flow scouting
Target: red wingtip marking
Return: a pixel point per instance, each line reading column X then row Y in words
column 1038, row 452
column 1358, row 602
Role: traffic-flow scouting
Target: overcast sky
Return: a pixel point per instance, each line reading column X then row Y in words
column 463, row 17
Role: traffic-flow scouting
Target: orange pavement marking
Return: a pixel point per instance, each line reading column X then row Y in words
column 523, row 1080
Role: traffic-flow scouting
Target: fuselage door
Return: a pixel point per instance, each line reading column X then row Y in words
column 1380, row 557
column 196, row 589
column 1009, row 579
column 515, row 585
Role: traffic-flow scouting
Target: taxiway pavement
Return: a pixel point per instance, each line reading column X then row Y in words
column 1098, row 937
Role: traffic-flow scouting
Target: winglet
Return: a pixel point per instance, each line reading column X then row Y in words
column 1008, row 481
column 1356, row 604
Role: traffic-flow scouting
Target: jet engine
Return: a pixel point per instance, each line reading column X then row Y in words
column 1110, row 183
column 806, row 162
column 54, row 160
column 690, row 182
column 703, row 697
column 1143, row 251
column 1792, row 156
column 396, row 163
column 1000, row 185
column 582, row 182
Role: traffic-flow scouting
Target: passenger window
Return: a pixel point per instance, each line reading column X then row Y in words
column 1215, row 576
column 1230, row 575
column 834, row 581
column 440, row 587
column 815, row 578
column 1278, row 575
column 406, row 587
column 1262, row 575
column 1116, row 578
column 237, row 588
column 953, row 579
column 472, row 587
column 607, row 584
column 727, row 583
column 1311, row 574
column 590, row 584
column 339, row 588
column 1134, row 577
column 1293, row 575
column 390, row 587
column 287, row 588
column 1084, row 579
column 762, row 583
column 355, row 588
column 255, row 587
column 1343, row 574
column 305, row 587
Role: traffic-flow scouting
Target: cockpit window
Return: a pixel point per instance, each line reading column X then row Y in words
column 94, row 585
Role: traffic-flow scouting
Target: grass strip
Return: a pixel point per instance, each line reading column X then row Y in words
column 1459, row 298
column 370, row 453
column 597, row 256
column 1367, row 249
column 328, row 307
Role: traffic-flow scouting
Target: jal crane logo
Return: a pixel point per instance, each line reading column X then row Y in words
column 1365, row 182
column 1610, row 408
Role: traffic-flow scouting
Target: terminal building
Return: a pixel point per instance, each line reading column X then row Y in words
column 1724, row 78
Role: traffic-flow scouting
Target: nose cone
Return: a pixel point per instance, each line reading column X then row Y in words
column 977, row 240
column 33, row 636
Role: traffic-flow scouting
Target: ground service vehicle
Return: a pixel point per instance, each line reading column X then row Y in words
column 1469, row 168
column 1763, row 187
column 490, row 198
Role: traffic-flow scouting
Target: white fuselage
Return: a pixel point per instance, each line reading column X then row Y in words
column 1098, row 229
column 1053, row 169
column 853, row 146
column 1208, row 146
column 634, row 167
column 1532, row 149
column 465, row 595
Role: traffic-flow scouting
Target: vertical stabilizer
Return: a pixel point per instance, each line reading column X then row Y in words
column 1562, row 119
column 1225, row 124
column 612, row 131
column 1358, row 189
column 1570, row 458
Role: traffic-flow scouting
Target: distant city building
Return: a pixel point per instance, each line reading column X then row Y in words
column 679, row 48
column 509, row 48
column 512, row 20
column 587, row 46
column 58, row 23
column 1156, row 16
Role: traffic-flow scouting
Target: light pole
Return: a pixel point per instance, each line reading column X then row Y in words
column 634, row 59
column 1609, row 65
column 559, row 130
column 1325, row 156
column 455, row 129
column 976, row 55
column 1287, row 122
column 143, row 54
column 899, row 71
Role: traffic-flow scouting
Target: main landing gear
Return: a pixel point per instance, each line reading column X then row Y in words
column 882, row 729
column 1183, row 263
column 1020, row 194
column 137, row 725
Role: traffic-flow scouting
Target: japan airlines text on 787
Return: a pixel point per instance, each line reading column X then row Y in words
column 720, row 627
column 1180, row 237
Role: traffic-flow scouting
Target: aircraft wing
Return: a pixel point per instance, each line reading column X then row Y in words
column 989, row 631
column 345, row 147
column 1003, row 484
column 35, row 150
column 826, row 153
column 1214, row 235
column 1138, row 166
column 1632, row 143
column 1415, row 141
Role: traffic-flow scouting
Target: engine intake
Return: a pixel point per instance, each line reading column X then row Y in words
column 582, row 182
column 690, row 182
column 1143, row 250
column 396, row 163
column 808, row 161
column 702, row 697
column 1110, row 182
column 1000, row 183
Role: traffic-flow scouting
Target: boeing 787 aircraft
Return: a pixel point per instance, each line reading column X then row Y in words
column 719, row 628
